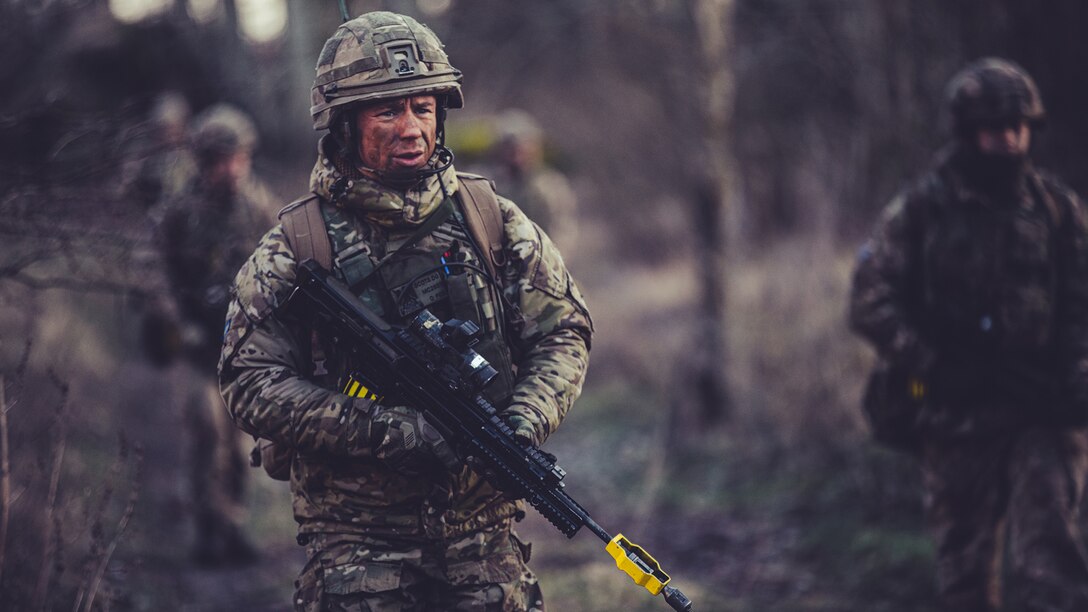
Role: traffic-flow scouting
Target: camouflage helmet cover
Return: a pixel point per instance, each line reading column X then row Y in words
column 993, row 89
column 515, row 125
column 222, row 130
column 169, row 109
column 381, row 55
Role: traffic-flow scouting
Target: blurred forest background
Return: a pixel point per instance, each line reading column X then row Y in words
column 727, row 156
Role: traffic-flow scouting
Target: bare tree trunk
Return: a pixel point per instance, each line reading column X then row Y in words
column 712, row 23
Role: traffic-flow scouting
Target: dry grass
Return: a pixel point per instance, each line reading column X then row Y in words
column 786, row 507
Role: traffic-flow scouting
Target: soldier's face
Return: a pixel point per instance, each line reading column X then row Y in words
column 229, row 172
column 1009, row 139
column 397, row 135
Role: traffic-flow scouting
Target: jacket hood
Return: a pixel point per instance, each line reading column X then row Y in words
column 342, row 184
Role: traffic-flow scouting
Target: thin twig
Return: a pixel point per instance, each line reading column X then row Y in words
column 51, row 537
column 5, row 479
column 92, row 286
column 6, row 500
column 96, row 521
column 130, row 509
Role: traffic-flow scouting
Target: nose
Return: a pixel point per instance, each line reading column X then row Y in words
column 410, row 126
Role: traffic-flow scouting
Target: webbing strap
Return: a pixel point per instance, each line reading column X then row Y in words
column 484, row 221
column 304, row 228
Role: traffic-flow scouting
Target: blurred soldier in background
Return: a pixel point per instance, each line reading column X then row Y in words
column 522, row 175
column 974, row 291
column 390, row 518
column 206, row 232
column 162, row 161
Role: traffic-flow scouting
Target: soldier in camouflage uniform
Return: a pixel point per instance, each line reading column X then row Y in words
column 975, row 288
column 390, row 519
column 206, row 233
column 162, row 161
column 522, row 174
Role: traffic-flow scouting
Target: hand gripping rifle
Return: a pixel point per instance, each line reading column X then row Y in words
column 432, row 365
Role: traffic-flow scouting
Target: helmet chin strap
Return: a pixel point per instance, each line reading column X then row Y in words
column 440, row 160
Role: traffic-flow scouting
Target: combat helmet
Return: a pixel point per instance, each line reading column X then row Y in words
column 992, row 90
column 220, row 131
column 381, row 55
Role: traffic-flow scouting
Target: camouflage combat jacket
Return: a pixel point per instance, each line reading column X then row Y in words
column 984, row 297
column 204, row 237
column 545, row 195
column 271, row 391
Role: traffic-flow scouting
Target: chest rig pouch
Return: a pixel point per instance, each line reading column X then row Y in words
column 990, row 272
column 437, row 268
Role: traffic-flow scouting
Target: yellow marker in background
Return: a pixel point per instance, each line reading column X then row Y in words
column 917, row 389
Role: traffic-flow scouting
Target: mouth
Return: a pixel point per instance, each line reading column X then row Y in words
column 409, row 159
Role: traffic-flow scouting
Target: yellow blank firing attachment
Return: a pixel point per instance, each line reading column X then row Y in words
column 644, row 570
column 638, row 564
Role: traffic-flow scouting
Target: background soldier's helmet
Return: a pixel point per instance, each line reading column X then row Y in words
column 515, row 126
column 220, row 131
column 993, row 90
column 381, row 55
column 170, row 111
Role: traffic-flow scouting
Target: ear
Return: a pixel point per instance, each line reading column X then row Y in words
column 440, row 129
column 344, row 131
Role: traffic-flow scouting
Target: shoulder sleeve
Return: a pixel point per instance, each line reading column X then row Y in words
column 551, row 327
column 261, row 366
column 1071, row 331
column 882, row 285
column 263, row 282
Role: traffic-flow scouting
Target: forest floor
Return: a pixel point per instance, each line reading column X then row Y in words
column 736, row 533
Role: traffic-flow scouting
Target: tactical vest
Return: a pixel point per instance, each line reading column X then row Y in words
column 450, row 265
column 989, row 274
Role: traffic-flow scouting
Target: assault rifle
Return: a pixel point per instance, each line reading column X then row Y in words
column 432, row 366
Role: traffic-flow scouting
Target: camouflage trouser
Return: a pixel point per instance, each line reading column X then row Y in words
column 218, row 470
column 482, row 572
column 1025, row 487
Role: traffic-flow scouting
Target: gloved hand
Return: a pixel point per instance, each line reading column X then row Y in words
column 406, row 442
column 524, row 430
